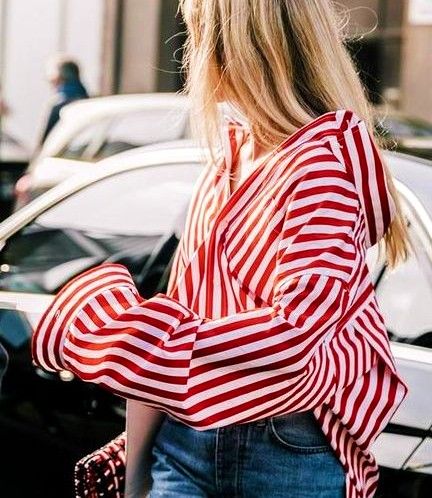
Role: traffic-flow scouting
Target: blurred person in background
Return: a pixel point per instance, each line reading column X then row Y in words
column 64, row 76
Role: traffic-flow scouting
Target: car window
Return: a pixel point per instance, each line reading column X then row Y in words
column 398, row 128
column 421, row 128
column 405, row 293
column 405, row 127
column 121, row 218
column 136, row 129
column 81, row 145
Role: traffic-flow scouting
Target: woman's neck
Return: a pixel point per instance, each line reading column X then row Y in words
column 250, row 155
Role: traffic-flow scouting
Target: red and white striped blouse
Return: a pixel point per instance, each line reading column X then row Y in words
column 270, row 308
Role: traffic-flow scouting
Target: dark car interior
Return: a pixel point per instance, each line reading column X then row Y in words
column 65, row 415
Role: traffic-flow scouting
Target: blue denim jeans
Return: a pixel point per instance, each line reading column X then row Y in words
column 278, row 457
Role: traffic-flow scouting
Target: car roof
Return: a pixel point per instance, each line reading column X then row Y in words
column 120, row 104
column 184, row 143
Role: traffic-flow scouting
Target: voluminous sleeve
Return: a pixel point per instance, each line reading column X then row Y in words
column 213, row 372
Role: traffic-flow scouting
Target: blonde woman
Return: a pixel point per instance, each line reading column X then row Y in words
column 268, row 353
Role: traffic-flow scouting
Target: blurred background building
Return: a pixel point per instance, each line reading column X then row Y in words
column 130, row 46
column 392, row 43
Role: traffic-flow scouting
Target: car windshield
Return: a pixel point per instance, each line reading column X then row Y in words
column 121, row 219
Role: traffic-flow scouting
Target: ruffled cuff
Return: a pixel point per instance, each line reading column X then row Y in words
column 48, row 339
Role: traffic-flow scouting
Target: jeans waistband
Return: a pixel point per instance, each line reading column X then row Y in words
column 304, row 419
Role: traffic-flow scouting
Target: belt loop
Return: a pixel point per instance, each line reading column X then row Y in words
column 262, row 422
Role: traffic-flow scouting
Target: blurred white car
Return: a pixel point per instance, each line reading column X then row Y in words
column 94, row 129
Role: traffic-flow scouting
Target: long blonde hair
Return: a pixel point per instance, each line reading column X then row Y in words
column 282, row 63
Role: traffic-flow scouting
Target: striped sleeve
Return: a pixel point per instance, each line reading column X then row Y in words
column 213, row 372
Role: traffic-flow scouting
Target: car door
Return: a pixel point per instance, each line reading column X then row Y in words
column 405, row 298
column 121, row 218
